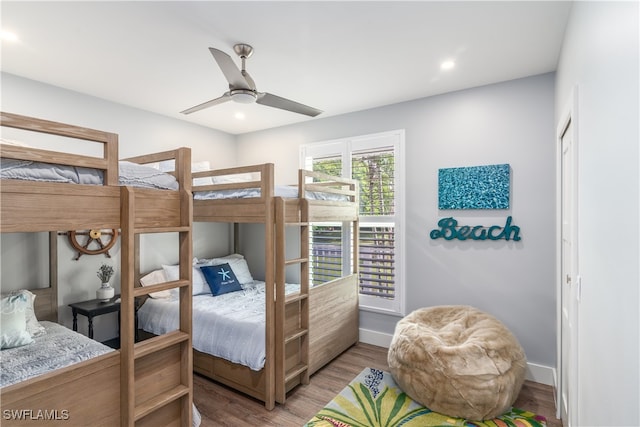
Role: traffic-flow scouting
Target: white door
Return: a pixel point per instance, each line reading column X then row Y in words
column 570, row 281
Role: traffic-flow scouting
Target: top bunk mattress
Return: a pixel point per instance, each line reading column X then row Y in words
column 130, row 173
column 57, row 348
column 249, row 182
column 285, row 191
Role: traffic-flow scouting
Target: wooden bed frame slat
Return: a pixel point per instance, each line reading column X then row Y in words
column 67, row 208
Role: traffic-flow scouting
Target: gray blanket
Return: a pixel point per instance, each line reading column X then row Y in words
column 57, row 348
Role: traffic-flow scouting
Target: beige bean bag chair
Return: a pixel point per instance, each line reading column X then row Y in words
column 458, row 361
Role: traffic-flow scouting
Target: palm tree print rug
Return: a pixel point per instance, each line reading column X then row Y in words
column 373, row 399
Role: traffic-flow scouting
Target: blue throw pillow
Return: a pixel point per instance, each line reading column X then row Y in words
column 220, row 279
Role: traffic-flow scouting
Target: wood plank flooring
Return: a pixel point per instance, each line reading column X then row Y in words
column 222, row 406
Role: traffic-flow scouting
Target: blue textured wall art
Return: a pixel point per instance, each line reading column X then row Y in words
column 474, row 187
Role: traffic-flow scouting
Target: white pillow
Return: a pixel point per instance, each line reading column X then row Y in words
column 154, row 278
column 13, row 321
column 237, row 263
column 199, row 284
column 34, row 327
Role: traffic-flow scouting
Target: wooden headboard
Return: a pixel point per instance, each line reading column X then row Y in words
column 46, row 303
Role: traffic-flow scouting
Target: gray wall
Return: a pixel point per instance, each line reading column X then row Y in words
column 600, row 58
column 510, row 122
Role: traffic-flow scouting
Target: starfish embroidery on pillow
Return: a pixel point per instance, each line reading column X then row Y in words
column 224, row 274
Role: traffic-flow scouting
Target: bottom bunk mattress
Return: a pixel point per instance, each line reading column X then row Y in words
column 56, row 348
column 230, row 326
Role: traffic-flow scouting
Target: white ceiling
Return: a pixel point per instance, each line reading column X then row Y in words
column 337, row 56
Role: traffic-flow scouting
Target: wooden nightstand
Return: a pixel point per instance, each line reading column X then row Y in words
column 93, row 308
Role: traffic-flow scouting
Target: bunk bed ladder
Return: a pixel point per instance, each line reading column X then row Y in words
column 156, row 374
column 292, row 313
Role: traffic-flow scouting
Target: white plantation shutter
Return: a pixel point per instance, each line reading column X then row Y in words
column 374, row 168
column 377, row 261
column 374, row 161
column 326, row 253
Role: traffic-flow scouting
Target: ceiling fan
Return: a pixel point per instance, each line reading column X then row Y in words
column 242, row 88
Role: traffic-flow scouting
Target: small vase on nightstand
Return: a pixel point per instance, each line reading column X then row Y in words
column 105, row 292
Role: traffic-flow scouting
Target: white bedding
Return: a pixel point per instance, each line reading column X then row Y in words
column 57, row 348
column 230, row 326
column 129, row 174
column 285, row 191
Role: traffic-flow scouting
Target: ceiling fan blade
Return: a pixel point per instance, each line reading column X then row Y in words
column 230, row 70
column 286, row 104
column 224, row 98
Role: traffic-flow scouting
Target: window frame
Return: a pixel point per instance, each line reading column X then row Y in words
column 345, row 148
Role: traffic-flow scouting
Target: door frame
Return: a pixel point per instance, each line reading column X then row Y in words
column 568, row 117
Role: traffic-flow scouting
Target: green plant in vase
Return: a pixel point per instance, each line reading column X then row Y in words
column 105, row 292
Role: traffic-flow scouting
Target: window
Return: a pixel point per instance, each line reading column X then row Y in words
column 375, row 161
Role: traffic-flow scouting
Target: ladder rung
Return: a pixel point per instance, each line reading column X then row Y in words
column 146, row 290
column 160, row 400
column 296, row 261
column 295, row 335
column 294, row 372
column 295, row 298
column 179, row 229
column 158, row 343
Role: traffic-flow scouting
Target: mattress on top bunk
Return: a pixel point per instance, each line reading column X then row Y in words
column 129, row 174
column 285, row 191
column 230, row 326
column 57, row 348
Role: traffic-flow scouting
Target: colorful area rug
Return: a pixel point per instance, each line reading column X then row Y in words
column 373, row 399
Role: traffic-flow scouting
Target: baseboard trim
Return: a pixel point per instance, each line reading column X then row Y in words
column 380, row 339
column 535, row 372
column 541, row 374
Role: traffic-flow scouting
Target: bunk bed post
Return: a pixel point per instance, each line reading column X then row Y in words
column 305, row 246
column 111, row 155
column 183, row 168
column 53, row 273
column 236, row 238
column 269, row 242
column 127, row 265
column 304, row 287
column 280, row 273
column 136, row 263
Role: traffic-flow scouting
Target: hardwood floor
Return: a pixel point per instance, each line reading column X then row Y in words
column 222, row 406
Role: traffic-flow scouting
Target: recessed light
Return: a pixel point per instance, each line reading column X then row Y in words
column 239, row 115
column 8, row 36
column 447, row 65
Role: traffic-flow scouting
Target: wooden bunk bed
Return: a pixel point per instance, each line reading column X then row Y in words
column 142, row 384
column 306, row 330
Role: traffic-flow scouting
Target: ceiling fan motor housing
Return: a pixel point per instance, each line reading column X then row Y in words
column 243, row 96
